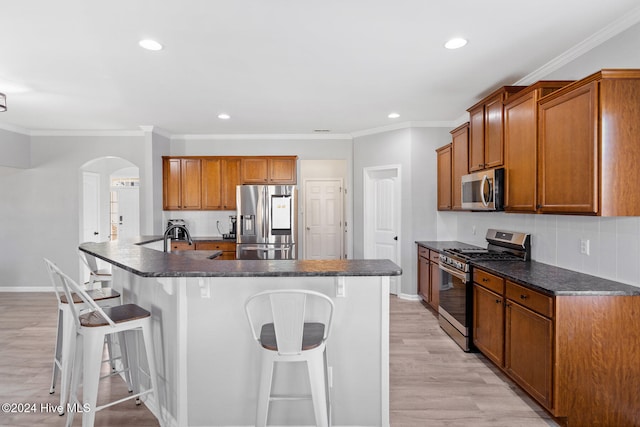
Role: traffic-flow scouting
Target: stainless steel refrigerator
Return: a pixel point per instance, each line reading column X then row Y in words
column 267, row 221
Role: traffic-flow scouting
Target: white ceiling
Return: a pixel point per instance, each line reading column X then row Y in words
column 276, row 66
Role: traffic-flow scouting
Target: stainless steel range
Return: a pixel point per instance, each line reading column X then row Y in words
column 456, row 305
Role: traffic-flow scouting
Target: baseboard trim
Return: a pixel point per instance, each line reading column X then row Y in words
column 26, row 289
column 409, row 297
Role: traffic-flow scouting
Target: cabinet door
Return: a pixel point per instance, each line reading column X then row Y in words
column 255, row 170
column 488, row 323
column 434, row 285
column 424, row 276
column 459, row 163
column 568, row 138
column 282, row 171
column 520, row 138
column 444, row 178
column 476, row 139
column 190, row 184
column 528, row 351
column 493, row 144
column 171, row 184
column 212, row 183
column 230, row 179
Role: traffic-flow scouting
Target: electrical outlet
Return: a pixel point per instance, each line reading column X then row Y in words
column 584, row 246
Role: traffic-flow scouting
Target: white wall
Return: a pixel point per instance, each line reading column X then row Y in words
column 41, row 204
column 15, row 149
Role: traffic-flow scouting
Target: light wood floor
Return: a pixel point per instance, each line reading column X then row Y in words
column 433, row 382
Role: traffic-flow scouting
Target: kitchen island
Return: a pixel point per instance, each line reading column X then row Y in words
column 208, row 363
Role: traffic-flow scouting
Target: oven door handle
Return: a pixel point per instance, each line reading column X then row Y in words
column 456, row 273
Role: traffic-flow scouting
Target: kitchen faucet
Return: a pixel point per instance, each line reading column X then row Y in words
column 171, row 228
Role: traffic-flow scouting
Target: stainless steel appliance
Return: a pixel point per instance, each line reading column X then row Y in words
column 232, row 228
column 456, row 293
column 177, row 233
column 484, row 190
column 267, row 221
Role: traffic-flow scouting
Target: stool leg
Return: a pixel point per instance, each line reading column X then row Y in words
column 68, row 351
column 57, row 354
column 92, row 346
column 326, row 384
column 264, row 390
column 315, row 365
column 151, row 361
column 75, row 378
column 124, row 358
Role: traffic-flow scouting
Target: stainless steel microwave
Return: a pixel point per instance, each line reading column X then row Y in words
column 484, row 190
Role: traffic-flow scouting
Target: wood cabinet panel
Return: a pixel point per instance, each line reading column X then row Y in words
column 424, row 276
column 459, row 163
column 434, row 285
column 568, row 138
column 181, row 183
column 212, row 183
column 529, row 352
column 429, row 277
column 489, row 281
column 488, row 323
column 493, row 133
column 444, row 178
column 476, row 139
column 269, row 170
column 542, row 304
column 228, row 248
column 231, row 179
column 178, row 245
column 521, row 146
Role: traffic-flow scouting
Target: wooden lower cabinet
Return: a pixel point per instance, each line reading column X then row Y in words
column 429, row 277
column 576, row 355
column 228, row 248
column 181, row 245
column 529, row 351
column 488, row 323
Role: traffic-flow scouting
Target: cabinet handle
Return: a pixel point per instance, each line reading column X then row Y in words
column 498, row 301
column 524, row 296
column 484, row 279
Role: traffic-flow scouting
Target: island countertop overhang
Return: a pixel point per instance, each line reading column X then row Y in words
column 146, row 262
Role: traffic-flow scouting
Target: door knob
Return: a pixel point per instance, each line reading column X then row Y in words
column 95, row 233
column 308, row 228
column 395, row 238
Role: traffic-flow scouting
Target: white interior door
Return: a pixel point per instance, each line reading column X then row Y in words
column 128, row 212
column 382, row 213
column 323, row 219
column 91, row 207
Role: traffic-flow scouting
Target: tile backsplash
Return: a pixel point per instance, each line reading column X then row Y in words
column 560, row 240
column 202, row 223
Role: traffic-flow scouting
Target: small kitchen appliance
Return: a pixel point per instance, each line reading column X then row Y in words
column 484, row 190
column 177, row 233
column 456, row 292
column 232, row 228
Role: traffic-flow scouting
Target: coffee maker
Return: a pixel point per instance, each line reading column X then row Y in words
column 232, row 228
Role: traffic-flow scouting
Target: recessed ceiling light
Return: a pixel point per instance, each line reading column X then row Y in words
column 455, row 43
column 224, row 116
column 150, row 44
column 393, row 115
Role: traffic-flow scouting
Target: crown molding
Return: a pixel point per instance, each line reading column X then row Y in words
column 14, row 129
column 86, row 133
column 252, row 137
column 404, row 125
column 613, row 29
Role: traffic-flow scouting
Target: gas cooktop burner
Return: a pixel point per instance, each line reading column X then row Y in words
column 483, row 254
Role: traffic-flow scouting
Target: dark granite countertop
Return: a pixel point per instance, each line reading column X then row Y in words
column 553, row 280
column 545, row 278
column 147, row 262
column 441, row 245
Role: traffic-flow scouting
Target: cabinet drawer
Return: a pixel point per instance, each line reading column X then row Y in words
column 181, row 246
column 434, row 256
column 489, row 281
column 533, row 300
column 423, row 252
column 216, row 246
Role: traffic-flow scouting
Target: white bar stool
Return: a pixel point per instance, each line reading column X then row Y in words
column 91, row 326
column 289, row 333
column 64, row 352
column 101, row 276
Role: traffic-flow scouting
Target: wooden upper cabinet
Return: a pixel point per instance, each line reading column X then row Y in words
column 486, row 148
column 182, row 183
column 521, row 145
column 459, row 163
column 444, row 177
column 219, row 179
column 569, row 152
column 589, row 151
column 269, row 170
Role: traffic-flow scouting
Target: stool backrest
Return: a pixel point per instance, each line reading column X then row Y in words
column 69, row 288
column 288, row 310
column 89, row 261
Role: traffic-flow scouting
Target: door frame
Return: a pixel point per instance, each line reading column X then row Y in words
column 369, row 176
